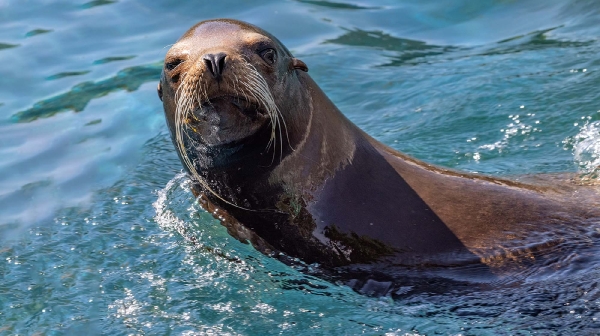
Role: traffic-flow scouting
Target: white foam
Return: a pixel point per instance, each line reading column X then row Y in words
column 165, row 217
column 586, row 149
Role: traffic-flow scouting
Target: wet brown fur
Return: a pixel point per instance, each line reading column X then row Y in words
column 336, row 196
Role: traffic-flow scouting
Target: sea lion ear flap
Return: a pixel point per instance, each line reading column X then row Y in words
column 298, row 64
column 159, row 90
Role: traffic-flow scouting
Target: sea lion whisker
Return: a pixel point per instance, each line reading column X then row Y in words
column 280, row 138
column 184, row 103
column 274, row 136
column 245, row 95
column 261, row 93
column 268, row 101
column 272, row 120
column 287, row 135
column 234, row 82
column 259, row 97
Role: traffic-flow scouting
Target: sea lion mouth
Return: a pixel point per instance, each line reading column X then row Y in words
column 225, row 119
column 231, row 106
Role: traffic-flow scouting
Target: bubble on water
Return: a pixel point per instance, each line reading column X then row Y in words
column 513, row 129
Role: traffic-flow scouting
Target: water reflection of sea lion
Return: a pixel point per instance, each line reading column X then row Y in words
column 282, row 167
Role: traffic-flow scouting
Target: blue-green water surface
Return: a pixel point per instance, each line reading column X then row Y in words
column 99, row 233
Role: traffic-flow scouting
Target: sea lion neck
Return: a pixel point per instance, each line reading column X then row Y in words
column 327, row 149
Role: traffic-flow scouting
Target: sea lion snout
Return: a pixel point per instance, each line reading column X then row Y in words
column 215, row 63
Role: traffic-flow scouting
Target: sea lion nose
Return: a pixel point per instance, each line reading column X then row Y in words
column 215, row 63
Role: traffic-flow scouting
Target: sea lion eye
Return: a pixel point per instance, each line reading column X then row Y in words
column 269, row 55
column 173, row 64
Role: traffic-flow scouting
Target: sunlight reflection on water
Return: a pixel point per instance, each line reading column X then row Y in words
column 96, row 221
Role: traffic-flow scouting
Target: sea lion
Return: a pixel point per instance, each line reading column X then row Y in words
column 272, row 157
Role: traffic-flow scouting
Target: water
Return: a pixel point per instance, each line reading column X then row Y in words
column 100, row 235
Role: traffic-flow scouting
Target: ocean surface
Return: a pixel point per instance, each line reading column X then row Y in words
column 100, row 234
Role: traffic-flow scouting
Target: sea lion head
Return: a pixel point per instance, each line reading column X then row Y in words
column 231, row 91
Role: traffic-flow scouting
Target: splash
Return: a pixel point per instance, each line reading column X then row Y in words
column 517, row 127
column 165, row 217
column 175, row 198
column 586, row 150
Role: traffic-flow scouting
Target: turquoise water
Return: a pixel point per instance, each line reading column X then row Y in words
column 99, row 233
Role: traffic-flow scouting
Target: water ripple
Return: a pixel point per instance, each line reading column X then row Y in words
column 139, row 256
column 335, row 5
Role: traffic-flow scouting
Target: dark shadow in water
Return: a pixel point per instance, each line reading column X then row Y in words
column 67, row 74
column 408, row 49
column 80, row 95
column 97, row 3
column 113, row 59
column 335, row 5
column 534, row 34
column 93, row 122
column 37, row 32
column 7, row 46
column 536, row 40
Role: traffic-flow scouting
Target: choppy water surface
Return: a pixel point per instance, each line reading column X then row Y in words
column 99, row 233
